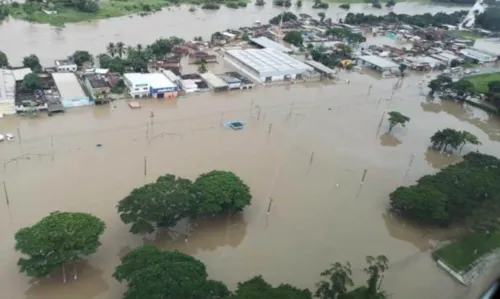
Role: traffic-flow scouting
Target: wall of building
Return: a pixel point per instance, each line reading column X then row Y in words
column 139, row 90
column 66, row 68
column 76, row 102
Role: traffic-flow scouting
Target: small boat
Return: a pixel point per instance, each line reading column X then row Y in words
column 2, row 137
column 134, row 104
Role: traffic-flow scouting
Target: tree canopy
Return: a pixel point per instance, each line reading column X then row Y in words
column 286, row 16
column 31, row 82
column 423, row 20
column 397, row 118
column 80, row 57
column 151, row 273
column 294, row 37
column 453, row 139
column 163, row 203
column 33, row 63
column 4, row 61
column 451, row 195
column 258, row 288
column 440, row 84
column 155, row 205
column 489, row 19
column 218, row 191
column 56, row 239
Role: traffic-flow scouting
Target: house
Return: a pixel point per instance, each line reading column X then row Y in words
column 70, row 90
column 167, row 62
column 65, row 65
column 96, row 85
column 200, row 55
column 152, row 84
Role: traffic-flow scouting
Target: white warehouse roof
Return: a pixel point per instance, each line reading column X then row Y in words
column 379, row 61
column 213, row 80
column 68, row 86
column 269, row 62
column 265, row 42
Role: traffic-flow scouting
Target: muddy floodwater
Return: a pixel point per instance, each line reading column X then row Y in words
column 22, row 38
column 320, row 213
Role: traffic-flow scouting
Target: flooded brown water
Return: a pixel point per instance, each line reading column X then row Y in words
column 319, row 215
column 20, row 38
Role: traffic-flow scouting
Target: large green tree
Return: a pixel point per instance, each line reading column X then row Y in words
column 218, row 191
column 294, row 37
column 445, row 138
column 375, row 270
column 397, row 118
column 258, row 288
column 489, row 19
column 31, row 82
column 80, row 57
column 440, row 84
column 157, row 205
column 59, row 238
column 151, row 273
column 33, row 63
column 336, row 283
column 4, row 61
column 463, row 89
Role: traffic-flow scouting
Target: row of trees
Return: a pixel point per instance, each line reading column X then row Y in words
column 120, row 58
column 89, row 6
column 489, row 19
column 466, row 191
column 460, row 90
column 163, row 203
column 449, row 140
column 152, row 273
column 422, row 20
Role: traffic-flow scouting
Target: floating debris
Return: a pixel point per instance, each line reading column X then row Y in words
column 235, row 124
column 134, row 104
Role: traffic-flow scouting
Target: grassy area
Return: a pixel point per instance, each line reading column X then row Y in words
column 108, row 9
column 481, row 81
column 467, row 34
column 460, row 254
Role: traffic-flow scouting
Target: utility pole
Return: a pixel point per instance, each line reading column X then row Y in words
column 269, row 207
column 5, row 191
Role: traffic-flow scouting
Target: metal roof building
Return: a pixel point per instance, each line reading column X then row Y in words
column 216, row 83
column 70, row 90
column 320, row 67
column 267, row 64
column 381, row 64
column 266, row 43
column 7, row 92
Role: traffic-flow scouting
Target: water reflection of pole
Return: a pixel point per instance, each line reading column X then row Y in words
column 6, row 193
column 363, row 178
column 269, row 207
column 221, row 118
column 310, row 161
column 409, row 165
column 145, row 166
column 19, row 135
column 380, row 124
column 270, row 128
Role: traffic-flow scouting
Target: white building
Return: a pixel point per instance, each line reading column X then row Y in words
column 479, row 56
column 65, row 66
column 152, row 84
column 267, row 65
column 7, row 92
column 70, row 90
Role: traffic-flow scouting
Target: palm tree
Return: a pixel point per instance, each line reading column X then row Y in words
column 129, row 50
column 202, row 65
column 111, row 49
column 139, row 48
column 120, row 49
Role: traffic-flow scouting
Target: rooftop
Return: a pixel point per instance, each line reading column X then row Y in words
column 321, row 67
column 7, row 92
column 379, row 61
column 20, row 73
column 269, row 62
column 68, row 86
column 170, row 75
column 265, row 42
column 213, row 80
column 60, row 62
column 490, row 46
column 96, row 81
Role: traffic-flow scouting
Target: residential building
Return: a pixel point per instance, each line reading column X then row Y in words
column 65, row 65
column 214, row 82
column 156, row 85
column 96, row 85
column 7, row 92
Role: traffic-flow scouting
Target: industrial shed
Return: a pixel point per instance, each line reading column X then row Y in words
column 266, row 43
column 70, row 90
column 321, row 68
column 216, row 83
column 267, row 65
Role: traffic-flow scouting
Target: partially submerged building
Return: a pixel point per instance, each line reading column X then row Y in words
column 380, row 64
column 7, row 92
column 65, row 65
column 193, row 83
column 214, row 82
column 267, row 65
column 70, row 91
column 96, row 85
column 156, row 85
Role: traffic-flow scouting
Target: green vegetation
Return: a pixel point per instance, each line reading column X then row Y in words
column 4, row 11
column 31, row 82
column 396, row 118
column 294, row 37
column 163, row 203
column 423, row 20
column 481, row 82
column 33, row 63
column 460, row 254
column 453, row 139
column 286, row 16
column 318, row 4
column 151, row 273
column 467, row 34
column 60, row 238
column 489, row 19
column 202, row 66
column 4, row 61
